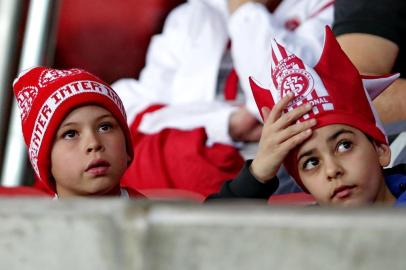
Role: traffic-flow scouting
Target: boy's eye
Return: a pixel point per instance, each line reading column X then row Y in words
column 104, row 127
column 70, row 134
column 310, row 163
column 344, row 146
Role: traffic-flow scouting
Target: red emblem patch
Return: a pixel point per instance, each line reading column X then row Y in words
column 292, row 24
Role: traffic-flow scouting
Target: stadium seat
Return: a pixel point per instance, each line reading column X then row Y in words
column 22, row 191
column 108, row 38
column 296, row 198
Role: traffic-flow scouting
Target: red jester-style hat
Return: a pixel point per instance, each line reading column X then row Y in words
column 334, row 87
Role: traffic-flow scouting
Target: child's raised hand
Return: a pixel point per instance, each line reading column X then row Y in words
column 281, row 133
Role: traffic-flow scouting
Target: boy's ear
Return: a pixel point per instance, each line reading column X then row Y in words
column 384, row 153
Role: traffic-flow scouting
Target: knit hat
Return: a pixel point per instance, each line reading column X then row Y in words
column 46, row 96
column 334, row 87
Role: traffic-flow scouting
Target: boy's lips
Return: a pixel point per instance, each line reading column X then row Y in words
column 342, row 192
column 98, row 167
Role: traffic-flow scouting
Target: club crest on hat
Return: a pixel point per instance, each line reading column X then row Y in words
column 49, row 75
column 298, row 81
column 290, row 74
column 25, row 99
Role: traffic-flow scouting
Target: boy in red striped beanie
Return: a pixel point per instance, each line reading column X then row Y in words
column 75, row 128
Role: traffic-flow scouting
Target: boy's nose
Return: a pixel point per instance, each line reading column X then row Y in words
column 333, row 168
column 94, row 144
column 94, row 148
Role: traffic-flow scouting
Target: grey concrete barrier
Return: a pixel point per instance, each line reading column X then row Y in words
column 124, row 234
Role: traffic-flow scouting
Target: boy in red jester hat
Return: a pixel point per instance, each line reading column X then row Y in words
column 321, row 125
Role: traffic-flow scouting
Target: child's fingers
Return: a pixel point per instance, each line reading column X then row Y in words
column 280, row 106
column 295, row 140
column 273, row 149
column 265, row 113
column 292, row 116
column 292, row 130
column 285, row 134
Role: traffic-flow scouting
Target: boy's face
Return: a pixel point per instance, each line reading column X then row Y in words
column 89, row 154
column 339, row 165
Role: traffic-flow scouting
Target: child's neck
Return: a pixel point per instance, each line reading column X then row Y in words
column 116, row 191
column 385, row 196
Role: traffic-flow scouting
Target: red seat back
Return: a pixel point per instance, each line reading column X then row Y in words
column 22, row 191
column 296, row 198
column 108, row 38
column 172, row 194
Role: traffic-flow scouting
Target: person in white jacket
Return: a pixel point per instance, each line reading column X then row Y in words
column 185, row 64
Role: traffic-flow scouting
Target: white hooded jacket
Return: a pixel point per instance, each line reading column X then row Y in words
column 183, row 62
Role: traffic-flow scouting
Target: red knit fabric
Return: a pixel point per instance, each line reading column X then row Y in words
column 179, row 159
column 46, row 96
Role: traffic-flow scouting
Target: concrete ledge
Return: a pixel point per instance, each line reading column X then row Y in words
column 72, row 234
column 123, row 234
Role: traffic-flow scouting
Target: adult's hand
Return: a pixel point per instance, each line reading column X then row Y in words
column 243, row 126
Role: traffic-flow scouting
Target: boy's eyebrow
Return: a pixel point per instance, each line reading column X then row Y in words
column 68, row 124
column 307, row 153
column 329, row 139
column 338, row 133
column 106, row 115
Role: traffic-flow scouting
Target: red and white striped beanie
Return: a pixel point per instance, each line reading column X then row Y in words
column 338, row 93
column 46, row 96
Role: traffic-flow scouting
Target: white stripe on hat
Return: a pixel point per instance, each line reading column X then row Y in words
column 275, row 49
column 328, row 106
